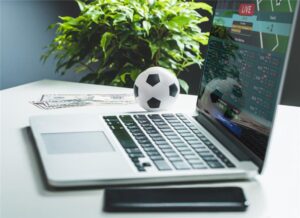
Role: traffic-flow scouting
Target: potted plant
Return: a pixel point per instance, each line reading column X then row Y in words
column 112, row 41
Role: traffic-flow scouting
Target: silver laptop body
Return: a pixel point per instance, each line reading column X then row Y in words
column 225, row 139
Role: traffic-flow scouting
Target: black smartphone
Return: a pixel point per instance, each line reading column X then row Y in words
column 213, row 199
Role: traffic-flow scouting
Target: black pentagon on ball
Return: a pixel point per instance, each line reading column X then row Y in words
column 153, row 79
column 136, row 91
column 153, row 103
column 173, row 90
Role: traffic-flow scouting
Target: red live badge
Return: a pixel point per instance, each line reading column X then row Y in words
column 247, row 9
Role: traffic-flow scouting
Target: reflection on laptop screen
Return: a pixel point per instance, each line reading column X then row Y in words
column 244, row 67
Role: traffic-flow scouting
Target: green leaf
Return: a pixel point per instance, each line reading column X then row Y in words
column 65, row 18
column 123, row 77
column 146, row 26
column 201, row 38
column 67, row 27
column 120, row 18
column 105, row 40
column 201, row 5
column 175, row 55
column 203, row 19
column 178, row 40
column 177, row 23
column 154, row 48
column 81, row 5
column 134, row 74
column 183, row 84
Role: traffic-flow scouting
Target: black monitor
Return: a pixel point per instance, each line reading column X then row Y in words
column 244, row 69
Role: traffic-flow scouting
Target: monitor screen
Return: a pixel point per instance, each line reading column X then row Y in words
column 244, row 67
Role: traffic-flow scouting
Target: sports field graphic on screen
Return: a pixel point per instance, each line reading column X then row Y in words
column 270, row 20
column 276, row 5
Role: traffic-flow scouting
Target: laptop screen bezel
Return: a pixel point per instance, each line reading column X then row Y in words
column 232, row 143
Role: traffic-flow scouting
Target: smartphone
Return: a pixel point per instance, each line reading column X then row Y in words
column 212, row 199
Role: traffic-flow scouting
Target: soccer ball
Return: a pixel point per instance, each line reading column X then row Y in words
column 156, row 89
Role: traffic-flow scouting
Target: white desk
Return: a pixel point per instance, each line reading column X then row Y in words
column 23, row 195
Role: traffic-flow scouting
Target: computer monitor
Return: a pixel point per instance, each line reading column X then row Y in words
column 244, row 69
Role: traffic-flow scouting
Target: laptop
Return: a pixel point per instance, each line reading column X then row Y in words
column 225, row 139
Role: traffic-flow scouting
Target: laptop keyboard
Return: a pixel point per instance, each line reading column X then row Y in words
column 170, row 141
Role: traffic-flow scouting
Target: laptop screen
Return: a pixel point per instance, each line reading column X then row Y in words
column 244, row 67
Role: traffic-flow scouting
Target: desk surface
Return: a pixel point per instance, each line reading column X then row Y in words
column 276, row 193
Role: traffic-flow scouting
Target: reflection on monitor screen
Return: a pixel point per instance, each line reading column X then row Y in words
column 244, row 65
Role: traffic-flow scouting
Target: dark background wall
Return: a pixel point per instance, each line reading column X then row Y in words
column 291, row 90
column 23, row 36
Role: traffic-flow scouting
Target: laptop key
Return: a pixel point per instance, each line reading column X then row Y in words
column 164, row 146
column 180, row 145
column 180, row 165
column 167, row 149
column 159, row 139
column 167, row 130
column 175, row 158
column 139, row 167
column 156, row 158
column 132, row 150
column 146, row 164
column 151, row 131
column 137, row 134
column 143, row 141
column 153, row 153
column 147, row 145
column 198, row 166
column 192, row 140
column 202, row 151
column 195, row 161
column 175, row 141
column 124, row 138
column 172, row 154
column 208, row 158
column 173, row 137
column 183, row 149
column 136, row 130
column 190, row 157
column 163, row 142
column 138, row 155
column 170, row 134
column 149, row 128
column 148, row 149
column 162, row 165
column 143, row 137
column 214, row 164
column 139, row 116
column 153, row 135
column 188, row 151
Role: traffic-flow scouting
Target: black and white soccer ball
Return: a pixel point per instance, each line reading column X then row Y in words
column 156, row 89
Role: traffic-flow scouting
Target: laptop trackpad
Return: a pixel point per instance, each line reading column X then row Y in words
column 76, row 142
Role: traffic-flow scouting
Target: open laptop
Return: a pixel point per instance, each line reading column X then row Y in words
column 226, row 138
